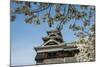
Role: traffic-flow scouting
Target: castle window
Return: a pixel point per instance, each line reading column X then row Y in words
column 52, row 55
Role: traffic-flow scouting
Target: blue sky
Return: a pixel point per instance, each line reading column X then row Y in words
column 24, row 37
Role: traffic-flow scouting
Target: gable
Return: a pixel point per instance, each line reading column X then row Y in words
column 50, row 43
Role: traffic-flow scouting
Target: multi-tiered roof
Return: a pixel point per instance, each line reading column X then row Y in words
column 54, row 47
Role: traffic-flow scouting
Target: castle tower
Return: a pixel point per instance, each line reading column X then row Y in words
column 54, row 50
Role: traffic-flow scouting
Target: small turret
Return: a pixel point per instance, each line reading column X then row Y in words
column 53, row 35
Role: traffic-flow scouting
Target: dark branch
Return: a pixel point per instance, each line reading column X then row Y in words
column 39, row 10
column 63, row 20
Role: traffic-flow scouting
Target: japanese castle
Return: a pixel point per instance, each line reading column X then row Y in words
column 55, row 50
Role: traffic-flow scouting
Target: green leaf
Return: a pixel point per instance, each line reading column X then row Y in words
column 85, row 23
column 29, row 20
column 50, row 22
column 38, row 21
column 13, row 18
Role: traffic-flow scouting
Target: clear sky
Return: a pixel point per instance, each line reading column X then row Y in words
column 24, row 37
